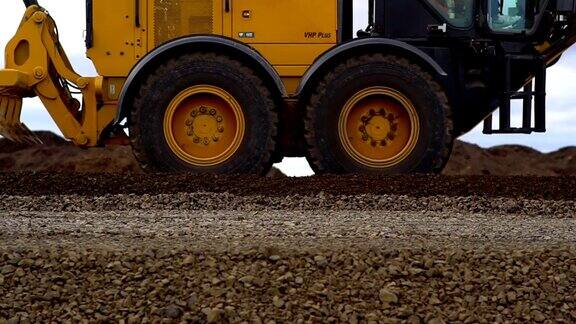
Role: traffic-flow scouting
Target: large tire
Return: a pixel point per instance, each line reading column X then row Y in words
column 216, row 94
column 333, row 147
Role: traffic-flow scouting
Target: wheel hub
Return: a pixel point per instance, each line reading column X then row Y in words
column 378, row 127
column 205, row 125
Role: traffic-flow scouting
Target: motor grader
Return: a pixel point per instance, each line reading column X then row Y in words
column 232, row 86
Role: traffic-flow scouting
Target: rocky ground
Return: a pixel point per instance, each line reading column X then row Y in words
column 115, row 245
column 417, row 249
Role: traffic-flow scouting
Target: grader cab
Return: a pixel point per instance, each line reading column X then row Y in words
column 231, row 86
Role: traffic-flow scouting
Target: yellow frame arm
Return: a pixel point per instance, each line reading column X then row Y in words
column 36, row 65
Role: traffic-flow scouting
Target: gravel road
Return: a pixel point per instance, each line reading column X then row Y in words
column 311, row 256
column 216, row 220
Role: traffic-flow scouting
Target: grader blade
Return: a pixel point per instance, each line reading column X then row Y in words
column 10, row 125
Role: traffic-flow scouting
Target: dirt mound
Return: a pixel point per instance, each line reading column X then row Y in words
column 48, row 139
column 68, row 158
column 59, row 155
column 469, row 159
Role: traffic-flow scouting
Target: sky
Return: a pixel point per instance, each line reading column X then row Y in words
column 70, row 16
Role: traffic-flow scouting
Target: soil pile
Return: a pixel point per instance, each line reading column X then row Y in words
column 510, row 160
column 58, row 155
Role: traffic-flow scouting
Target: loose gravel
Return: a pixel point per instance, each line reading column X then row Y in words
column 416, row 285
column 303, row 253
column 229, row 202
column 34, row 184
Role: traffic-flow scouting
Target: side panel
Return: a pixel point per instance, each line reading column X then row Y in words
column 170, row 19
column 113, row 44
column 285, row 22
column 290, row 34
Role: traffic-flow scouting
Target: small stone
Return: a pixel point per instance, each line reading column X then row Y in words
column 7, row 269
column 275, row 258
column 299, row 280
column 278, row 302
column 321, row 260
column 434, row 301
column 188, row 260
column 246, row 280
column 213, row 315
column 414, row 319
column 192, row 300
column 538, row 316
column 386, row 296
column 511, row 296
column 436, row 321
column 286, row 276
column 19, row 272
column 173, row 311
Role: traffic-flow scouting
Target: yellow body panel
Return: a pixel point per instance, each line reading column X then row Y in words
column 13, row 78
column 290, row 34
column 266, row 25
column 284, row 22
column 113, row 51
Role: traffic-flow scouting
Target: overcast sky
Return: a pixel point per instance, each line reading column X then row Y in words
column 70, row 16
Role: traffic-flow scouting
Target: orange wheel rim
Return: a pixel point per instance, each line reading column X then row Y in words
column 204, row 125
column 379, row 127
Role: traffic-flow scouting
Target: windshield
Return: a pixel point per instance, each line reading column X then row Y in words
column 457, row 13
column 512, row 16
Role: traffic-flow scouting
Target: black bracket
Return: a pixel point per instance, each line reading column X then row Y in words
column 533, row 95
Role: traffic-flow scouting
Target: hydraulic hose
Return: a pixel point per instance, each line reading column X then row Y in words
column 29, row 3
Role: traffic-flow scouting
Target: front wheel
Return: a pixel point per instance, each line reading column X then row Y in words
column 204, row 113
column 378, row 114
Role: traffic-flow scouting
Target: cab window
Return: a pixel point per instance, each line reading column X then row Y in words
column 512, row 16
column 458, row 13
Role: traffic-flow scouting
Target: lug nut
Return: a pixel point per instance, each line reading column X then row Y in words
column 219, row 119
column 213, row 112
column 203, row 110
column 189, row 122
column 206, row 141
column 194, row 113
column 196, row 139
column 220, row 129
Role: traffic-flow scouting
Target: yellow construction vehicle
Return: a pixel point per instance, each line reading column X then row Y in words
column 231, row 86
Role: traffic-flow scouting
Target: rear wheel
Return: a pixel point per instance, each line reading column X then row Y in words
column 204, row 113
column 378, row 114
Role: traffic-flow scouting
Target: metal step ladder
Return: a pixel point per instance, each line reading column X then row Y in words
column 533, row 97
